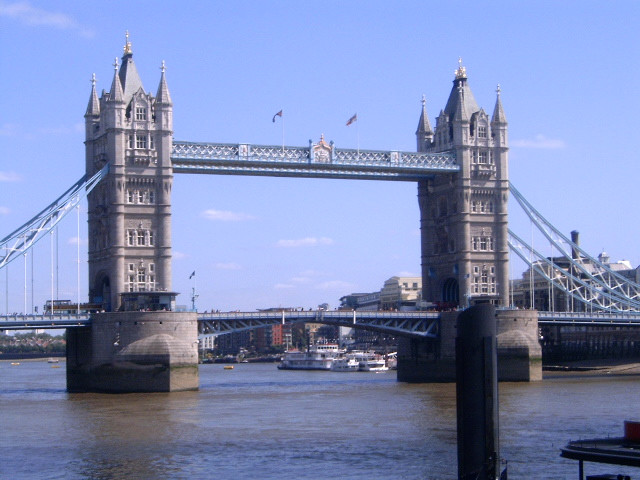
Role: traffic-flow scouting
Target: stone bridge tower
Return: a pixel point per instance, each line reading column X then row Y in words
column 130, row 211
column 463, row 216
column 139, row 343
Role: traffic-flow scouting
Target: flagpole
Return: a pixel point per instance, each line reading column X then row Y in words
column 358, row 137
column 282, row 135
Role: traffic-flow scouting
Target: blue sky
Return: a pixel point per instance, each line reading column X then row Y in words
column 567, row 72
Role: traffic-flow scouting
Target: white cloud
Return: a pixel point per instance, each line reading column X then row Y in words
column 301, row 280
column 282, row 286
column 331, row 284
column 76, row 240
column 4, row 210
column 32, row 16
column 305, row 242
column 406, row 274
column 226, row 216
column 539, row 141
column 9, row 177
column 9, row 129
column 178, row 255
column 63, row 130
column 228, row 266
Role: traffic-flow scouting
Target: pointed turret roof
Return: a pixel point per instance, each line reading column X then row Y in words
column 129, row 77
column 498, row 111
column 116, row 93
column 423, row 124
column 461, row 98
column 163, row 95
column 93, row 108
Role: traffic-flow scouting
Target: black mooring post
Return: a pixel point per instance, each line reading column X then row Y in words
column 477, row 394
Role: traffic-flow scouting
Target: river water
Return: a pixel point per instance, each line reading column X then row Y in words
column 257, row 422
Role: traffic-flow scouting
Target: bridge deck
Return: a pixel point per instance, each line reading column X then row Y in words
column 315, row 161
column 412, row 324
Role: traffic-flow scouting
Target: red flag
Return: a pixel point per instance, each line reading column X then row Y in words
column 352, row 119
column 279, row 114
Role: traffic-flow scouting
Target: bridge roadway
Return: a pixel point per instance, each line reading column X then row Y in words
column 407, row 324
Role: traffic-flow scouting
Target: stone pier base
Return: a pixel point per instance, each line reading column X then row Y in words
column 519, row 352
column 134, row 352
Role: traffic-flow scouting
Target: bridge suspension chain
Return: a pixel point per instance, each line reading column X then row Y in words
column 583, row 277
column 569, row 281
column 24, row 237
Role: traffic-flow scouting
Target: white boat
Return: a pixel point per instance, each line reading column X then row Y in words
column 345, row 364
column 369, row 361
column 318, row 357
column 392, row 361
column 53, row 360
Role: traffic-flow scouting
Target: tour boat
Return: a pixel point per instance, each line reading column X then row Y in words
column 345, row 364
column 369, row 361
column 318, row 357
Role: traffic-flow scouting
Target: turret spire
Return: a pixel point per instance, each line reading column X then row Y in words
column 116, row 86
column 424, row 127
column 129, row 77
column 163, row 96
column 93, row 108
column 498, row 111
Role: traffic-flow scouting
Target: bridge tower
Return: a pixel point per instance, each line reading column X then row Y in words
column 138, row 344
column 463, row 216
column 130, row 211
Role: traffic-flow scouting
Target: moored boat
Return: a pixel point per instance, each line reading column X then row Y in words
column 318, row 357
column 369, row 361
column 345, row 364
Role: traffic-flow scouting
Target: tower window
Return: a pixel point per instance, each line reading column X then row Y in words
column 141, row 141
column 482, row 131
column 482, row 157
column 141, row 113
column 130, row 141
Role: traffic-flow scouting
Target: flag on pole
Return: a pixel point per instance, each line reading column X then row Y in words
column 352, row 119
column 191, row 276
column 279, row 114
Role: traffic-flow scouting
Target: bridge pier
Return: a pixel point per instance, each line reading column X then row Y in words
column 432, row 361
column 125, row 352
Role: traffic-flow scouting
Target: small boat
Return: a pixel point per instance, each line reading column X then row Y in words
column 228, row 367
column 15, row 363
column 53, row 360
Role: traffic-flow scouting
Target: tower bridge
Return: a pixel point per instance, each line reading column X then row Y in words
column 461, row 171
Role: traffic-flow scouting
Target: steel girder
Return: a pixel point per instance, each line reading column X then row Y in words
column 593, row 319
column 279, row 161
column 55, row 321
column 24, row 237
column 404, row 324
column 583, row 278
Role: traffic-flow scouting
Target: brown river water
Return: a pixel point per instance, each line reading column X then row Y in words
column 257, row 422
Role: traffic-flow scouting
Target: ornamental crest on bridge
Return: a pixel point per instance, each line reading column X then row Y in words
column 322, row 152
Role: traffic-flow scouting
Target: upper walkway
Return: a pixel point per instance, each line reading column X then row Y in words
column 319, row 160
